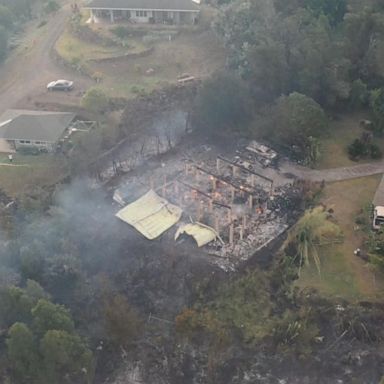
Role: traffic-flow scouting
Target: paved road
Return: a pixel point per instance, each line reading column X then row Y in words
column 335, row 174
column 27, row 70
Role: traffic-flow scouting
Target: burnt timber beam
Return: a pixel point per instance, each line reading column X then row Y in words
column 245, row 169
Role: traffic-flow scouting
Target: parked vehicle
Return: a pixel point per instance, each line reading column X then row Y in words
column 60, row 85
column 378, row 206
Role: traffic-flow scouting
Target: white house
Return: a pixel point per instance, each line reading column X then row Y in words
column 145, row 11
column 37, row 129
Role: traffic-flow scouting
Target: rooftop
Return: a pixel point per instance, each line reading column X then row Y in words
column 34, row 125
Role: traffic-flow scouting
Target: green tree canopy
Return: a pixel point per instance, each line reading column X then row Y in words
column 296, row 120
column 282, row 52
column 377, row 106
column 16, row 303
column 222, row 105
column 47, row 316
column 333, row 9
column 66, row 358
column 3, row 42
column 6, row 17
column 51, row 6
column 22, row 353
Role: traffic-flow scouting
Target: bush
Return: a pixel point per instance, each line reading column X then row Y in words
column 357, row 150
column 121, row 32
column 29, row 151
column 375, row 152
column 95, row 100
column 359, row 96
column 42, row 23
column 51, row 7
column 361, row 149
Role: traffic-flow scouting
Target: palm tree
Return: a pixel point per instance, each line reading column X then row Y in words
column 313, row 230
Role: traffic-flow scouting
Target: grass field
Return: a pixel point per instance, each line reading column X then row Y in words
column 342, row 133
column 30, row 171
column 342, row 273
column 196, row 52
column 72, row 48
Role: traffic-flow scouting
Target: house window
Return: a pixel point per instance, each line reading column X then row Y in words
column 141, row 13
column 22, row 141
column 27, row 141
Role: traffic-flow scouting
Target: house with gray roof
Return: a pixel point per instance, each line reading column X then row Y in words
column 39, row 129
column 145, row 11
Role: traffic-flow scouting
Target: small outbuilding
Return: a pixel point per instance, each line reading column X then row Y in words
column 34, row 129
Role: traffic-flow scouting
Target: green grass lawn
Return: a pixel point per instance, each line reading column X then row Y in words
column 131, row 87
column 39, row 170
column 342, row 273
column 72, row 48
column 334, row 146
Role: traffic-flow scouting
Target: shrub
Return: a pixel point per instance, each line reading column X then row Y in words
column 375, row 151
column 361, row 148
column 42, row 23
column 95, row 100
column 51, row 6
column 357, row 150
column 121, row 32
column 29, row 151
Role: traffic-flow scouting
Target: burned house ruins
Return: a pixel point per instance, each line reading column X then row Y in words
column 232, row 205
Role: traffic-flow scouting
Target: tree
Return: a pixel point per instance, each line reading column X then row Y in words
column 285, row 49
column 32, row 261
column 377, row 106
column 359, row 96
column 296, row 120
column 21, row 9
column 6, row 17
column 3, row 42
column 364, row 32
column 22, row 353
column 47, row 316
column 222, row 105
column 333, row 9
column 15, row 305
column 66, row 358
column 95, row 100
column 312, row 231
column 51, row 7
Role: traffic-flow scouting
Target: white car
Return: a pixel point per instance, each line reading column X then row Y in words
column 60, row 85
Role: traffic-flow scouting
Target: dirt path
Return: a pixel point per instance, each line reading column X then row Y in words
column 30, row 67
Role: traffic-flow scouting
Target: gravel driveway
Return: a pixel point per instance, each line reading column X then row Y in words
column 30, row 67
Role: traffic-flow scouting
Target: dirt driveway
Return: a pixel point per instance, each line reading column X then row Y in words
column 30, row 67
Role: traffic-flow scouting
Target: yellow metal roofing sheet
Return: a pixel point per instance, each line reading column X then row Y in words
column 200, row 232
column 151, row 215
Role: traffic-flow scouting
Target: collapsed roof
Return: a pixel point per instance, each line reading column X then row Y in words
column 202, row 234
column 151, row 215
